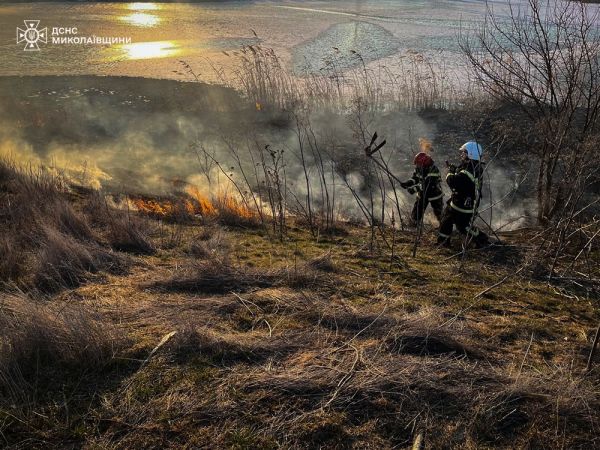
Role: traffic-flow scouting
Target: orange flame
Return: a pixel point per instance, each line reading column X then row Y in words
column 204, row 205
column 195, row 204
column 233, row 206
column 189, row 207
column 154, row 207
column 425, row 145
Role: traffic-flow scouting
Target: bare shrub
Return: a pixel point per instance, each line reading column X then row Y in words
column 543, row 61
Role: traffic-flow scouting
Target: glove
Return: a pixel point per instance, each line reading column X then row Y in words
column 405, row 185
column 411, row 190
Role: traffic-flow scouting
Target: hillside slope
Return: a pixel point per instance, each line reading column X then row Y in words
column 225, row 337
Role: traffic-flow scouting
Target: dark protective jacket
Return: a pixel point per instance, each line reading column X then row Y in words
column 426, row 182
column 466, row 183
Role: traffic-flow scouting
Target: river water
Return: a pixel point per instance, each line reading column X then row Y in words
column 304, row 34
column 140, row 134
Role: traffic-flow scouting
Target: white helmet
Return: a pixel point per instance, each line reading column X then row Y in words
column 473, row 149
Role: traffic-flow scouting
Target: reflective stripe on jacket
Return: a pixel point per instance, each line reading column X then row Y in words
column 466, row 187
column 426, row 182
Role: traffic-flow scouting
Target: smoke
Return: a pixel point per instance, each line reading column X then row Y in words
column 154, row 136
column 118, row 132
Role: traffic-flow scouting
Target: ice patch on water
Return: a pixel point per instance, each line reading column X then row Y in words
column 341, row 44
column 234, row 43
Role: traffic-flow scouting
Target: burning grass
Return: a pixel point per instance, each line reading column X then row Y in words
column 234, row 212
column 185, row 207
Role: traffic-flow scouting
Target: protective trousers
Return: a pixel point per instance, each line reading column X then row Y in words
column 462, row 221
column 418, row 211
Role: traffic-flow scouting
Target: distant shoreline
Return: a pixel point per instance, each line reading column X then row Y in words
column 128, row 1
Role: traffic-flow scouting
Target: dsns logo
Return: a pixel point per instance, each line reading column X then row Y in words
column 31, row 35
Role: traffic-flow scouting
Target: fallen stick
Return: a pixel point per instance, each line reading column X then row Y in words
column 166, row 338
column 345, row 378
column 485, row 291
column 593, row 350
column 419, row 443
column 495, row 285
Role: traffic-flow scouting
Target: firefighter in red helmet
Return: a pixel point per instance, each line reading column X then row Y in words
column 426, row 183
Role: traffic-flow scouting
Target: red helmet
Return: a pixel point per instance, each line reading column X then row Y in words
column 423, row 160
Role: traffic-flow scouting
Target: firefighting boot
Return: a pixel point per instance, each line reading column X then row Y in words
column 443, row 241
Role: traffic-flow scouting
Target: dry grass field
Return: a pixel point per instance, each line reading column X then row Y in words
column 122, row 330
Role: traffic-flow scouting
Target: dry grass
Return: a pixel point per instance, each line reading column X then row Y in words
column 292, row 343
column 263, row 78
column 130, row 234
column 12, row 261
column 63, row 261
column 123, row 230
column 40, row 339
column 220, row 276
column 215, row 277
column 48, row 244
column 209, row 244
column 309, row 387
column 323, row 263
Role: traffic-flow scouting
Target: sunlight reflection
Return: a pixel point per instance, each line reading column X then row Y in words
column 143, row 6
column 141, row 19
column 148, row 50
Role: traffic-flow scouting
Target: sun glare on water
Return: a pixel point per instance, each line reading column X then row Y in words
column 148, row 50
column 142, row 6
column 141, row 19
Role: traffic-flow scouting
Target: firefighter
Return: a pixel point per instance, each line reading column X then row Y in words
column 426, row 183
column 465, row 181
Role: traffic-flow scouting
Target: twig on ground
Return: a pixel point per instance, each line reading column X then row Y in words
column 593, row 350
column 525, row 357
column 495, row 285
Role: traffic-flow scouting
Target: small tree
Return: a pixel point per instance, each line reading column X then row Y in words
column 543, row 57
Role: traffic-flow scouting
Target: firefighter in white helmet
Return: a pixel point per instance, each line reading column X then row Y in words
column 465, row 181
